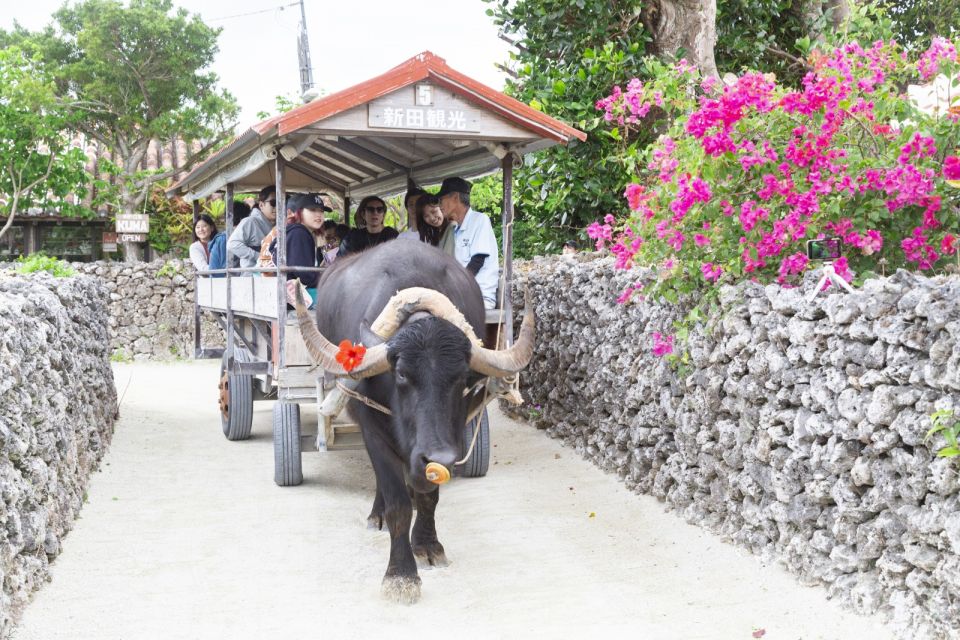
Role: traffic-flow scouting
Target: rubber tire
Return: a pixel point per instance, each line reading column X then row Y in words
column 479, row 462
column 287, row 466
column 239, row 420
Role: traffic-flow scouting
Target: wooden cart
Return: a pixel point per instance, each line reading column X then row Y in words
column 421, row 120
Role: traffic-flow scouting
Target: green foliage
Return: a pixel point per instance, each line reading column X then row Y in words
column 739, row 182
column 168, row 270
column 945, row 423
column 132, row 73
column 571, row 53
column 40, row 262
column 916, row 22
column 38, row 166
column 281, row 104
column 760, row 34
column 121, row 355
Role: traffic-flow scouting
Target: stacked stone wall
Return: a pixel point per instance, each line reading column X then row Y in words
column 151, row 309
column 57, row 409
column 794, row 429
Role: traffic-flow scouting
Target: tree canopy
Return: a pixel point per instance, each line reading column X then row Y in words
column 132, row 74
column 567, row 54
column 37, row 163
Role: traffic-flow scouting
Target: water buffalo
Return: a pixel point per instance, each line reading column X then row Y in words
column 420, row 373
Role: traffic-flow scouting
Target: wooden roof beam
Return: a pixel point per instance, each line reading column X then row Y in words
column 325, row 165
column 299, row 167
column 331, row 153
column 369, row 156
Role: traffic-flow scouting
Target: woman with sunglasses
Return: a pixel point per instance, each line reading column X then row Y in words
column 244, row 242
column 370, row 230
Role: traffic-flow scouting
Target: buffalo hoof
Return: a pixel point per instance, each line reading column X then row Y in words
column 430, row 555
column 375, row 522
column 401, row 589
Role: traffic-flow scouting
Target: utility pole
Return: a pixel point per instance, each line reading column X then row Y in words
column 303, row 52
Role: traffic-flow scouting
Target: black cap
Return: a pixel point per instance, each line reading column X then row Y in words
column 454, row 185
column 311, row 201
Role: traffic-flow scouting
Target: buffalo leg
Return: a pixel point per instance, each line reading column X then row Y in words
column 426, row 548
column 375, row 519
column 401, row 582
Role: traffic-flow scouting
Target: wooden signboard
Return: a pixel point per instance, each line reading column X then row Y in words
column 131, row 237
column 133, row 223
column 423, row 108
column 109, row 242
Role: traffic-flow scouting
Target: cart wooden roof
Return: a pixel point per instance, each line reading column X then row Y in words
column 420, row 120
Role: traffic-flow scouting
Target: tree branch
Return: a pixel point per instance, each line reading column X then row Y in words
column 794, row 59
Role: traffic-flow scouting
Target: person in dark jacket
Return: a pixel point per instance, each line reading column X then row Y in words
column 302, row 237
column 370, row 230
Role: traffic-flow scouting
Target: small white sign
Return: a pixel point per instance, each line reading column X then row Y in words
column 131, row 237
column 133, row 223
column 425, row 109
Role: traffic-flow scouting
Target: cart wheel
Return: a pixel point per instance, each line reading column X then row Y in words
column 236, row 399
column 479, row 462
column 287, row 470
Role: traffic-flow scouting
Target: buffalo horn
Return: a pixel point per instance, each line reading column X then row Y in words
column 406, row 302
column 500, row 363
column 324, row 352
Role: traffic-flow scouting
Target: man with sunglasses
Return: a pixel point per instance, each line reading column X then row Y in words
column 370, row 230
column 244, row 242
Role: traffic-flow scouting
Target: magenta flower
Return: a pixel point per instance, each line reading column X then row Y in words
column 710, row 271
column 940, row 49
column 842, row 268
column 662, row 344
column 792, row 265
column 949, row 244
column 951, row 168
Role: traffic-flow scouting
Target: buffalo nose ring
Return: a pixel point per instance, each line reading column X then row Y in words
column 437, row 473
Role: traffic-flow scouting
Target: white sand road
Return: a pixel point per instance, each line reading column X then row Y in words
column 185, row 535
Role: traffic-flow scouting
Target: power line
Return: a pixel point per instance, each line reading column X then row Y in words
column 254, row 13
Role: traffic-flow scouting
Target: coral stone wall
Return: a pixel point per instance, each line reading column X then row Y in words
column 57, row 409
column 151, row 309
column 794, row 429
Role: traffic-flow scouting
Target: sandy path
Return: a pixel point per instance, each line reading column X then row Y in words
column 186, row 536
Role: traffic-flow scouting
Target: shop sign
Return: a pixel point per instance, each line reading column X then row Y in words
column 133, row 223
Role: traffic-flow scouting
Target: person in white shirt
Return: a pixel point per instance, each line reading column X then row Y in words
column 475, row 245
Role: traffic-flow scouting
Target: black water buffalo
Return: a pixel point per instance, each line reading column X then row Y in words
column 429, row 310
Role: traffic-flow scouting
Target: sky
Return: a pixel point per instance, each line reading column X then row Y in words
column 350, row 41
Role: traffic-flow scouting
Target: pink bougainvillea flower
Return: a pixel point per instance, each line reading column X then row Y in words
column 710, row 271
column 951, row 168
column 662, row 344
column 940, row 49
column 636, row 195
column 792, row 265
column 842, row 268
column 949, row 244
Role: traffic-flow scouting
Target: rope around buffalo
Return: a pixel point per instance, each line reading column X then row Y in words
column 373, row 404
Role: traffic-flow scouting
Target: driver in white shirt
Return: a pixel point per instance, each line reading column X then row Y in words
column 475, row 246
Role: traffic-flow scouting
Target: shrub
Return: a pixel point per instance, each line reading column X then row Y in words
column 746, row 172
column 41, row 262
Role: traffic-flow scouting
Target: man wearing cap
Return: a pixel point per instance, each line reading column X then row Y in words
column 244, row 242
column 475, row 246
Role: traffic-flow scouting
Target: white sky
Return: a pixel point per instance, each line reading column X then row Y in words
column 350, row 41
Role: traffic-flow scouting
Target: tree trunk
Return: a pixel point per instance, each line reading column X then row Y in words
column 684, row 28
column 132, row 251
column 839, row 11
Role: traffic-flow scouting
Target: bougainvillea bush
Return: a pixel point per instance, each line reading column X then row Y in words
column 746, row 171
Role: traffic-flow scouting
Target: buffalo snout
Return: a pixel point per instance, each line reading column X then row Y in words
column 445, row 455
